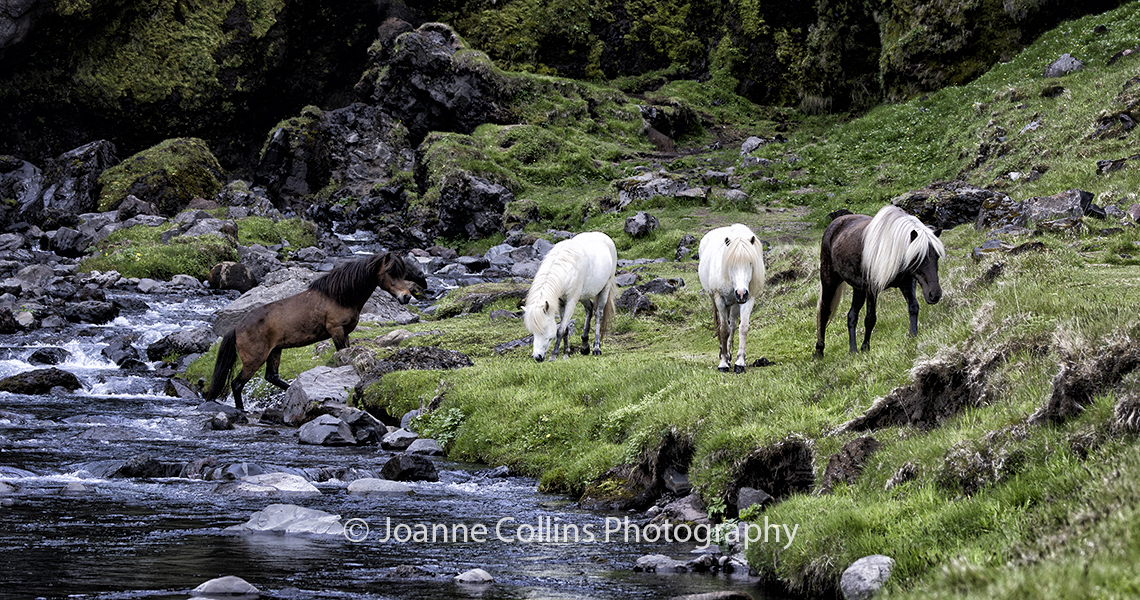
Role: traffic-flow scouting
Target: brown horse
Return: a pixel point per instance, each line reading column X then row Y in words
column 329, row 308
column 893, row 249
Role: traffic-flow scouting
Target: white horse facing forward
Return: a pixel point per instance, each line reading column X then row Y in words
column 732, row 274
column 582, row 268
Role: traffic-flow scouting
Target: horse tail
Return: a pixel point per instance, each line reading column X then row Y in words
column 611, row 305
column 223, row 366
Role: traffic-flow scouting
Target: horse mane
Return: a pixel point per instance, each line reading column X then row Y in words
column 351, row 283
column 547, row 285
column 742, row 251
column 888, row 248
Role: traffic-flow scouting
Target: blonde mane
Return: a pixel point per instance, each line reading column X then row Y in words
column 741, row 252
column 548, row 284
column 888, row 248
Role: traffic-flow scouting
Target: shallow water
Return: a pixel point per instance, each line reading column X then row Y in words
column 159, row 538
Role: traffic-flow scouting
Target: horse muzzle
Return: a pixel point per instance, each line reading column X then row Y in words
column 933, row 296
column 404, row 298
column 538, row 357
column 741, row 296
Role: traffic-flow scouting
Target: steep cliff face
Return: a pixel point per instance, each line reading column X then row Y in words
column 140, row 72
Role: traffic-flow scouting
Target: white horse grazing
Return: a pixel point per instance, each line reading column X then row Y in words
column 581, row 268
column 732, row 273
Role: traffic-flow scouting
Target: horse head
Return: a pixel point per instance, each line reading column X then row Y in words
column 925, row 272
column 739, row 266
column 540, row 322
column 397, row 277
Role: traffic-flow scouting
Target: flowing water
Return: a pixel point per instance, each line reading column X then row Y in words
column 69, row 530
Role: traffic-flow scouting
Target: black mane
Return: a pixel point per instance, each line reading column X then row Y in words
column 351, row 283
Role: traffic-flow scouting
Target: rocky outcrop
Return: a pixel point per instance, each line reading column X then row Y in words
column 168, row 175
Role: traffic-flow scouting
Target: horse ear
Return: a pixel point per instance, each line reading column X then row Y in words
column 913, row 235
column 752, row 241
column 546, row 308
column 726, row 241
column 938, row 232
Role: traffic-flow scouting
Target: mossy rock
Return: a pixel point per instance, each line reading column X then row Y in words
column 168, row 175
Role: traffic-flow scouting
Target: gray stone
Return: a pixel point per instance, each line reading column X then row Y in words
column 319, row 384
column 225, row 586
column 322, row 431
column 474, row 576
column 269, row 484
column 659, row 563
column 290, row 519
column 747, row 497
column 865, row 576
column 185, row 341
column 675, row 482
column 409, row 467
column 1063, row 66
column 372, row 485
column 398, row 440
column 426, row 447
column 641, row 224
column 689, row 509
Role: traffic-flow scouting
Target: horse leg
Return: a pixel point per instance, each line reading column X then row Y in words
column 911, row 305
column 589, row 306
column 339, row 338
column 599, row 318
column 869, row 322
column 745, row 312
column 272, row 364
column 723, row 329
column 830, row 289
column 858, row 297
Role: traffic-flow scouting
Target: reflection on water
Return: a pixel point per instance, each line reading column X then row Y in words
column 159, row 538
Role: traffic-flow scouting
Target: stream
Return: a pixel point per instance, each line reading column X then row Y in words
column 71, row 531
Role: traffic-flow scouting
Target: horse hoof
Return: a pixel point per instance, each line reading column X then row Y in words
column 738, row 369
column 597, row 352
column 586, row 351
column 722, row 369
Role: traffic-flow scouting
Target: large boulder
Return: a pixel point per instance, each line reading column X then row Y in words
column 470, row 207
column 70, row 185
column 290, row 519
column 182, row 342
column 428, row 80
column 318, row 385
column 947, row 204
column 91, row 311
column 168, row 175
column 409, row 467
column 39, row 382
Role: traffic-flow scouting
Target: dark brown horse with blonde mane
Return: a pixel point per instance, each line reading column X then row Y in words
column 892, row 250
column 329, row 308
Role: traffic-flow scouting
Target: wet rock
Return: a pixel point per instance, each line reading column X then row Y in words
column 220, row 422
column 641, row 224
column 398, row 440
column 147, row 467
column 8, row 322
column 425, row 447
column 408, row 417
column 182, row 342
column 198, row 469
column 317, row 385
column 474, row 576
column 121, row 349
column 49, row 356
column 350, row 427
column 76, row 488
column 226, row 586
column 91, row 311
column 865, row 577
column 689, row 509
column 269, row 484
column 232, row 276
column 370, row 485
column 676, row 482
column 1063, row 66
column 290, row 519
column 846, row 465
column 39, row 381
column 659, row 563
column 7, row 489
column 409, row 467
column 109, row 433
